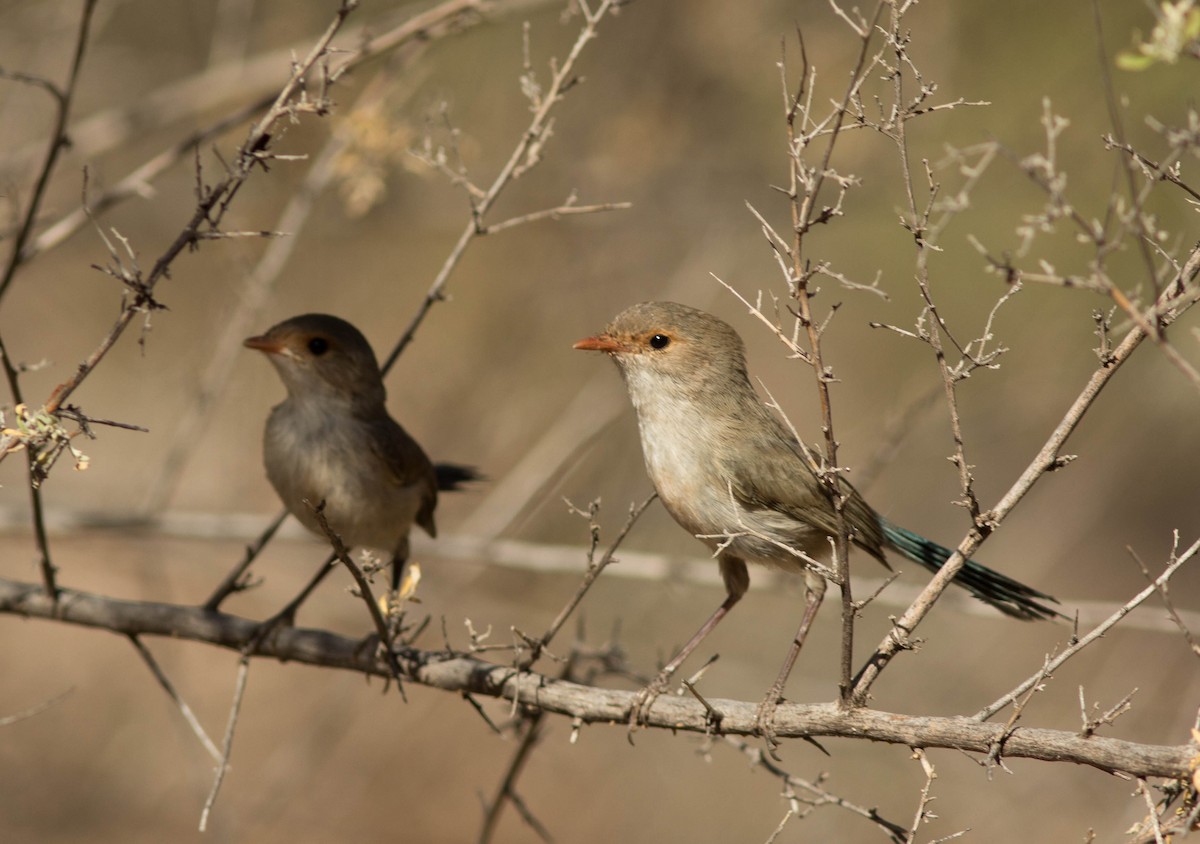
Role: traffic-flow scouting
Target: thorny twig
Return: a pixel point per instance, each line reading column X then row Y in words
column 235, row 709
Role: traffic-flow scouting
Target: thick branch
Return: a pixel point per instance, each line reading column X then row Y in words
column 454, row 672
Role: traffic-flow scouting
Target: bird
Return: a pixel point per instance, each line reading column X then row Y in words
column 332, row 440
column 732, row 474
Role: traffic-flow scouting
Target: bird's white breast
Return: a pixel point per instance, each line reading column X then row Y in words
column 682, row 447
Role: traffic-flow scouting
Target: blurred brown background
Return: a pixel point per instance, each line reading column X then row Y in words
column 680, row 114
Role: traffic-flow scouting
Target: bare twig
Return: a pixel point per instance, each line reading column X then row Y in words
column 507, row 793
column 458, row 673
column 595, row 567
column 1176, row 561
column 1047, row 459
column 805, row 186
column 234, row 582
column 213, row 202
column 1165, row 594
column 58, row 141
column 184, row 710
column 364, row 588
column 815, row 794
column 235, row 709
column 198, row 93
column 6, row 720
column 525, row 154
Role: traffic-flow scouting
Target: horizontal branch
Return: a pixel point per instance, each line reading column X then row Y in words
column 461, row 673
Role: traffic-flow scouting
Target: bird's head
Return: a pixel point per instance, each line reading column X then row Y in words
column 669, row 345
column 318, row 355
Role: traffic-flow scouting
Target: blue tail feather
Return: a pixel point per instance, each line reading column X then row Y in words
column 1002, row 592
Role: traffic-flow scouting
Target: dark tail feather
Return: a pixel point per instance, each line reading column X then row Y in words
column 991, row 587
column 451, row 476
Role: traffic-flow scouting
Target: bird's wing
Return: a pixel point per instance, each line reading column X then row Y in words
column 409, row 466
column 781, row 478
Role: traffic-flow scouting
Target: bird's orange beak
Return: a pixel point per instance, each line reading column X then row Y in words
column 263, row 344
column 599, row 343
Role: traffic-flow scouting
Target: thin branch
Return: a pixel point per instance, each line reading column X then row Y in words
column 1165, row 595
column 38, row 709
column 414, row 30
column 537, row 646
column 364, row 587
column 32, row 453
column 214, row 201
column 507, row 790
column 804, row 189
column 816, row 794
column 458, row 673
column 1098, row 631
column 525, row 154
column 558, row 213
column 235, row 709
column 234, row 582
column 184, row 710
column 1047, row 459
column 58, row 141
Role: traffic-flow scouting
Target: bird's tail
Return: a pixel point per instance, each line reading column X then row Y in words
column 451, row 476
column 991, row 587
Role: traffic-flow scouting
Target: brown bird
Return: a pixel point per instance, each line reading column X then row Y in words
column 735, row 477
column 332, row 440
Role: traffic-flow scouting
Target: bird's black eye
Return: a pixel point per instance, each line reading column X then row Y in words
column 660, row 341
column 318, row 346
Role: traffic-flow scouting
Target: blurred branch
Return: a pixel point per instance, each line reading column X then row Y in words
column 1158, row 584
column 17, row 257
column 546, row 558
column 1048, row 459
column 214, row 200
column 181, row 704
column 591, row 705
column 58, row 141
column 813, row 793
column 33, row 453
column 235, row 710
column 1126, row 219
column 594, row 568
column 507, row 791
column 414, row 31
column 6, row 720
column 525, row 155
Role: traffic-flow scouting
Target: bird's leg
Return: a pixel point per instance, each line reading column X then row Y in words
column 645, row 698
column 390, row 605
column 399, row 559
column 764, row 719
column 287, row 615
column 394, row 609
column 737, row 581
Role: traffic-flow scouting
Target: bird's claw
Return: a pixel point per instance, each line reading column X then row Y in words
column 764, row 722
column 639, row 710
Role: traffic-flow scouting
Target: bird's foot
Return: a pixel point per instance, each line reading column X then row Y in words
column 764, row 721
column 639, row 710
